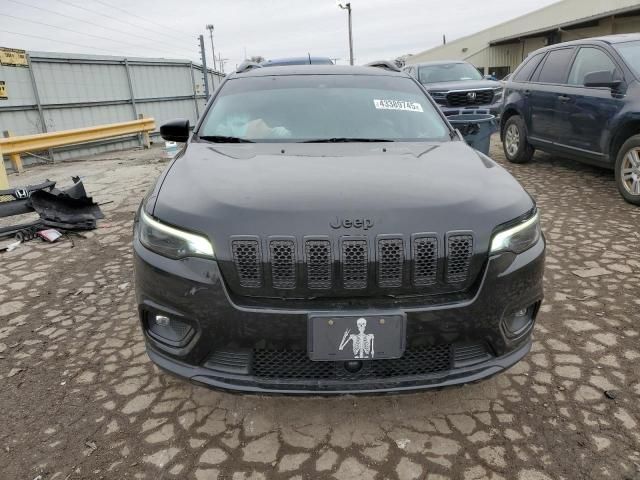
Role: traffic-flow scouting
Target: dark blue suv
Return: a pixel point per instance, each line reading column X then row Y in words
column 579, row 99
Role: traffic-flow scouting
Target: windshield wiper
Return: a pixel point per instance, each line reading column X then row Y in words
column 224, row 139
column 346, row 140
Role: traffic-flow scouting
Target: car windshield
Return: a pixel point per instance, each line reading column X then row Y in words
column 303, row 108
column 448, row 72
column 630, row 51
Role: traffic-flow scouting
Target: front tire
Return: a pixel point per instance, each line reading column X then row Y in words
column 627, row 170
column 515, row 145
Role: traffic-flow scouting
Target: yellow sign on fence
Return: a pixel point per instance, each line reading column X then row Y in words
column 3, row 91
column 13, row 57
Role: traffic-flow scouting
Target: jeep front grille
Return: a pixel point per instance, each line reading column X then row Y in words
column 355, row 263
column 464, row 98
column 397, row 262
column 390, row 262
column 459, row 253
column 248, row 260
column 319, row 263
column 425, row 260
column 283, row 263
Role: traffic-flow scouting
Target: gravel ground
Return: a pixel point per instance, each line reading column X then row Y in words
column 80, row 399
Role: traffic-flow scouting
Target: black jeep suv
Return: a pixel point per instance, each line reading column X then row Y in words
column 579, row 99
column 325, row 230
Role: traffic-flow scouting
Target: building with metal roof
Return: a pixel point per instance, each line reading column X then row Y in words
column 500, row 49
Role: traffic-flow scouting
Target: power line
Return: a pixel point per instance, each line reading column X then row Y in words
column 112, row 18
column 58, row 41
column 106, row 4
column 100, row 26
column 71, row 30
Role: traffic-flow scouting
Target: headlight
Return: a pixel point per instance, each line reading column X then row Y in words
column 519, row 238
column 171, row 242
column 497, row 94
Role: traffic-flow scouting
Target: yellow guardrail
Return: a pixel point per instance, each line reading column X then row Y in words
column 14, row 146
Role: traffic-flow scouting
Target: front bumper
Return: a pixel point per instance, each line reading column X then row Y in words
column 452, row 342
column 250, row 384
column 494, row 109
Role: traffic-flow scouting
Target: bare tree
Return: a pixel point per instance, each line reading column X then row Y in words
column 257, row 59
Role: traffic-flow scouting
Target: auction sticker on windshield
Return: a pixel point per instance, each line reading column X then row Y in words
column 397, row 105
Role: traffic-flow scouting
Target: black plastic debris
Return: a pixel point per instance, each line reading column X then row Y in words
column 69, row 209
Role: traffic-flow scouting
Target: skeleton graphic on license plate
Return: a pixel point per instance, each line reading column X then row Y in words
column 361, row 342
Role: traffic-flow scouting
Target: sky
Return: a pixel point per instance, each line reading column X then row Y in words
column 382, row 29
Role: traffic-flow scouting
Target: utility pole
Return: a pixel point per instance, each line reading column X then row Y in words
column 347, row 7
column 221, row 62
column 205, row 72
column 213, row 52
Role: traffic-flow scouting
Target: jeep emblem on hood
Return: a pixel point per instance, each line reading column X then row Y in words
column 364, row 223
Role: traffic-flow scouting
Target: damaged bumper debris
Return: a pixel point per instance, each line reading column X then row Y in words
column 15, row 201
column 63, row 209
column 69, row 209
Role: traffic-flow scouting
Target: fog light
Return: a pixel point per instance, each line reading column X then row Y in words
column 516, row 323
column 170, row 330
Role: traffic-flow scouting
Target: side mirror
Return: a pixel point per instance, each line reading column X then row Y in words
column 604, row 78
column 175, row 130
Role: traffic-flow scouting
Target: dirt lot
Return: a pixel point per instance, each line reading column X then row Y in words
column 80, row 399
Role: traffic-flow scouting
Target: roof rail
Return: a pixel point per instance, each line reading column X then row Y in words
column 247, row 65
column 386, row 64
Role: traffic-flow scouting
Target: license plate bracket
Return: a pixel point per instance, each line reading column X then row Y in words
column 362, row 337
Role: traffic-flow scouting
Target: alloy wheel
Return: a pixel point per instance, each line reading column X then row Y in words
column 630, row 171
column 512, row 140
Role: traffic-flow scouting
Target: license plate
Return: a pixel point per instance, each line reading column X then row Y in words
column 356, row 337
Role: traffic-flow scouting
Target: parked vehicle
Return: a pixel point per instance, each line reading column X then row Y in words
column 325, row 230
column 458, row 87
column 580, row 99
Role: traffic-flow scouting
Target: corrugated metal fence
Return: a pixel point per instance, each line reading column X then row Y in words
column 58, row 91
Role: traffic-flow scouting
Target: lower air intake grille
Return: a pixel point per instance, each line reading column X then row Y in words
column 295, row 364
column 355, row 260
column 248, row 260
column 459, row 252
column 390, row 262
column 319, row 263
column 283, row 263
column 425, row 261
column 237, row 362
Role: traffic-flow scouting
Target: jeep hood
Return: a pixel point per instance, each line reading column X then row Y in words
column 299, row 189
